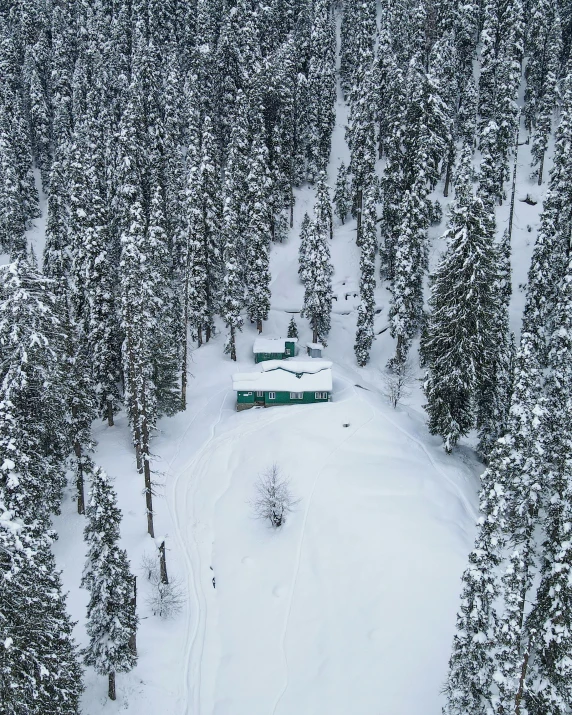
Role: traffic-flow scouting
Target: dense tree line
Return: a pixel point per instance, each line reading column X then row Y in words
column 167, row 140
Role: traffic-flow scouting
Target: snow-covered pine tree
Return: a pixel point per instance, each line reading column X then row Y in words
column 361, row 142
column 40, row 673
column 410, row 264
column 111, row 617
column 366, row 309
column 33, row 394
column 462, row 312
column 258, row 242
column 321, row 87
column 544, row 48
column 292, row 328
column 317, row 277
column 303, row 249
column 341, row 193
column 549, row 625
column 469, row 683
column 499, row 82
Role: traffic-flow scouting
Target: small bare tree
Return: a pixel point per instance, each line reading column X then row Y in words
column 165, row 599
column 398, row 382
column 274, row 500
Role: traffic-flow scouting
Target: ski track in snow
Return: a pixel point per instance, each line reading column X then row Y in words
column 183, row 505
column 299, row 556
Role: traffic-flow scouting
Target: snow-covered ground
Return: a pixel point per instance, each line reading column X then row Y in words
column 350, row 607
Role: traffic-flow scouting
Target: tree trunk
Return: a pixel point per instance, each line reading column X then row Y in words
column 185, row 340
column 133, row 637
column 111, row 688
column 331, row 224
column 208, row 333
column 259, row 325
column 450, row 161
column 80, row 490
column 513, row 192
column 541, row 169
column 232, row 343
column 359, row 208
column 163, row 563
column 520, row 692
column 148, row 497
column 291, row 206
column 79, row 481
column 200, row 336
column 314, row 330
column 146, row 465
column 110, row 421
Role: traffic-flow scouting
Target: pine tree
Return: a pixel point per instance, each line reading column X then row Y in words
column 468, row 688
column 341, row 193
column 33, row 382
column 111, row 617
column 462, row 314
column 542, row 71
column 499, row 83
column 258, row 245
column 410, row 265
column 366, row 309
column 317, row 274
column 321, row 87
column 304, row 247
column 292, row 328
column 40, row 672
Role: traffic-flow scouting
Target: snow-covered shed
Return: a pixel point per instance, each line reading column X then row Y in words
column 282, row 382
column 314, row 349
column 274, row 348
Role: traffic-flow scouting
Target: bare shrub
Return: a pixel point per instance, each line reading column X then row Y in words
column 398, row 383
column 164, row 599
column 274, row 500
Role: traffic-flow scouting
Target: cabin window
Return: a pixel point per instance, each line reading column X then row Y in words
column 321, row 395
column 296, row 395
column 271, row 395
column 259, row 393
column 287, row 351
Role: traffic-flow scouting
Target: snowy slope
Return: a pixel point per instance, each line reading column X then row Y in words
column 349, row 608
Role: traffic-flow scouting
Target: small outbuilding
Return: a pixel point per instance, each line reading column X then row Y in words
column 314, row 349
column 274, row 349
column 288, row 382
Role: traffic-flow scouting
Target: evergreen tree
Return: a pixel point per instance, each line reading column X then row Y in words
column 40, row 672
column 461, row 320
column 33, row 392
column 111, row 617
column 366, row 309
column 321, row 87
column 542, row 71
column 410, row 264
column 304, row 247
column 292, row 328
column 317, row 276
column 550, row 623
column 341, row 193
column 499, row 83
column 258, row 245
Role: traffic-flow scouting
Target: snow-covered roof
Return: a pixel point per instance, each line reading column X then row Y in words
column 308, row 366
column 279, row 379
column 315, row 346
column 271, row 345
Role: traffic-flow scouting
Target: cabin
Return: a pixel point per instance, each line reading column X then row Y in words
column 314, row 350
column 284, row 382
column 274, row 349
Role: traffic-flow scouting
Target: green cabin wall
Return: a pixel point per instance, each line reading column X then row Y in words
column 282, row 398
column 261, row 357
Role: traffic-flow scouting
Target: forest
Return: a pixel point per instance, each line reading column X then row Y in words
column 161, row 146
